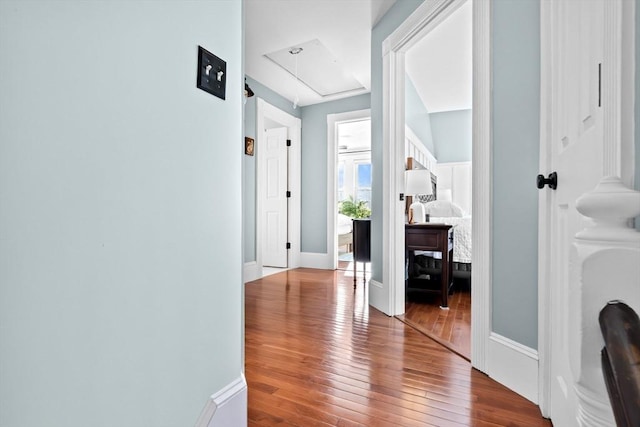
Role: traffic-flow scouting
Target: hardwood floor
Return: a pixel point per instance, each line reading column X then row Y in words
column 317, row 354
column 451, row 328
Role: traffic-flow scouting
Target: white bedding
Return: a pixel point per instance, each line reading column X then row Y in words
column 461, row 238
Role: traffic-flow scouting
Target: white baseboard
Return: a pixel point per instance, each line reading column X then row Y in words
column 513, row 365
column 379, row 297
column 252, row 271
column 315, row 260
column 227, row 407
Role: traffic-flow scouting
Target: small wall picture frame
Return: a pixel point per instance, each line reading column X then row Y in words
column 248, row 146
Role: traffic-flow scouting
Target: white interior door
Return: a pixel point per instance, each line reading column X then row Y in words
column 274, row 241
column 572, row 124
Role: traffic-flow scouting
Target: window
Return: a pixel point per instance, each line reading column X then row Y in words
column 354, row 177
column 363, row 182
column 341, row 193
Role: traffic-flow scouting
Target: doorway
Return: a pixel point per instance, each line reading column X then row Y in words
column 275, row 175
column 276, row 128
column 353, row 184
column 389, row 296
column 348, row 182
column 438, row 138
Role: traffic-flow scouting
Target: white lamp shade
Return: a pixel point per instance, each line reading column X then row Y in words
column 418, row 181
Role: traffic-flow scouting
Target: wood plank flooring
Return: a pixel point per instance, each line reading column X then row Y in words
column 317, row 355
column 452, row 327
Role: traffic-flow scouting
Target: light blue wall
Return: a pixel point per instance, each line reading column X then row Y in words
column 637, row 104
column 249, row 193
column 388, row 24
column 313, row 232
column 416, row 116
column 120, row 262
column 273, row 98
column 452, row 135
column 516, row 121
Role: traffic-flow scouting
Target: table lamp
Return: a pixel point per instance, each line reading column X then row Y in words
column 417, row 182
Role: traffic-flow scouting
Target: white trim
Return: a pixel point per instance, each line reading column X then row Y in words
column 377, row 293
column 227, row 407
column 316, row 260
column 390, row 298
column 425, row 18
column 392, row 178
column 332, row 158
column 611, row 87
column 252, row 271
column 628, row 92
column 514, row 365
column 423, row 155
column 544, row 220
column 294, row 126
column 481, row 185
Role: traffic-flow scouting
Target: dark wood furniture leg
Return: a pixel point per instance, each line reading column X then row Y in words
column 447, row 269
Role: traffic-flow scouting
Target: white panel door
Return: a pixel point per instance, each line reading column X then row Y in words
column 274, row 239
column 572, row 124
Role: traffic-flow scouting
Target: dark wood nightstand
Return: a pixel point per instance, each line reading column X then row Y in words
column 436, row 238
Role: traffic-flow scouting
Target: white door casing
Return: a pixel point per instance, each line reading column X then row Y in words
column 582, row 136
column 332, row 187
column 267, row 116
column 388, row 296
column 274, row 250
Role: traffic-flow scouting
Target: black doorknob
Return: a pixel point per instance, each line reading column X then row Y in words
column 552, row 181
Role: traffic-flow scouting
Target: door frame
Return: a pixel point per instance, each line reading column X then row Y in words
column 388, row 296
column 266, row 112
column 618, row 94
column 332, row 188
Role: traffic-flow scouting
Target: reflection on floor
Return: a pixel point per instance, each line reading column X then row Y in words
column 451, row 328
column 268, row 271
column 345, row 263
column 345, row 256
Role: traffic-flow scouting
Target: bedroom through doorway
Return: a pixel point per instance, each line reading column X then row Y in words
column 438, row 137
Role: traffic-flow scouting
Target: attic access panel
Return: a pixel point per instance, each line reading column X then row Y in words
column 318, row 69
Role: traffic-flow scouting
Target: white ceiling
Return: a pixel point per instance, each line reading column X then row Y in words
column 440, row 66
column 316, row 68
column 436, row 65
column 354, row 135
column 343, row 27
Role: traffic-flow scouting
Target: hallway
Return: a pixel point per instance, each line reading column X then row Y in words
column 317, row 354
